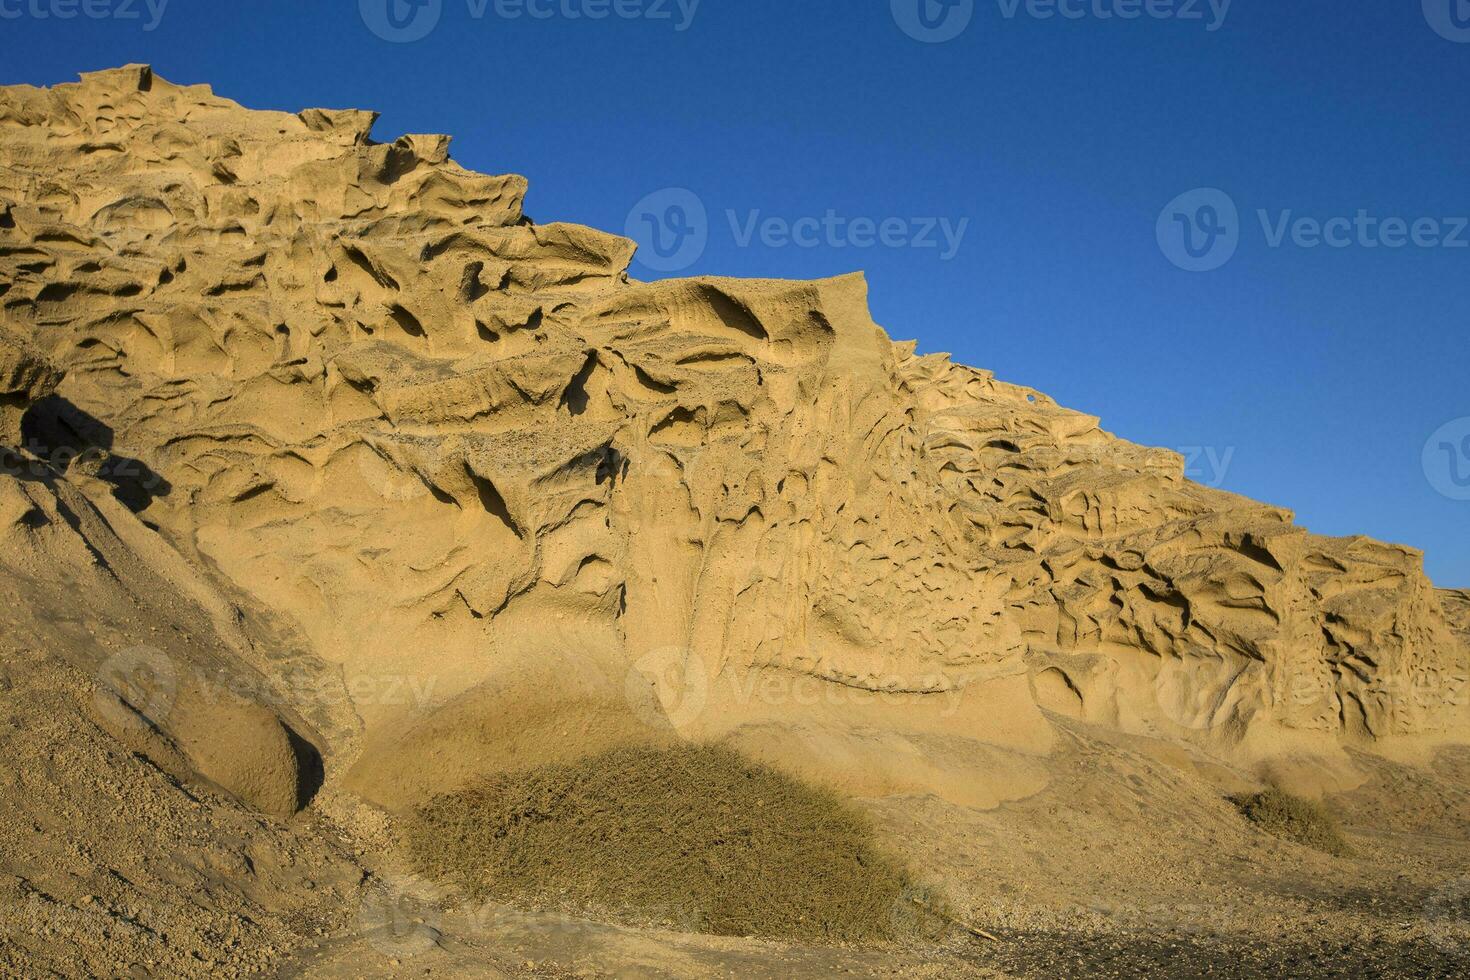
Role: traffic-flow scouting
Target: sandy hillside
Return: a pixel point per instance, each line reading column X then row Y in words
column 337, row 492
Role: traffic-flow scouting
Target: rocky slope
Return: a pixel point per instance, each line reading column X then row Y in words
column 428, row 487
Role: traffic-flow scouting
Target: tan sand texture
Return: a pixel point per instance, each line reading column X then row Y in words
column 348, row 481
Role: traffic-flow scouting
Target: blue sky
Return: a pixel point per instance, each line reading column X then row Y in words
column 1320, row 364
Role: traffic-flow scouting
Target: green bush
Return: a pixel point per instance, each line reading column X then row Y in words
column 1303, row 821
column 697, row 837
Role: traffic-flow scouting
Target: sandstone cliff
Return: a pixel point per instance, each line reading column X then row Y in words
column 458, row 454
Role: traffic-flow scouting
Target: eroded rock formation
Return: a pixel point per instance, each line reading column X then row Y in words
column 443, row 441
column 26, row 376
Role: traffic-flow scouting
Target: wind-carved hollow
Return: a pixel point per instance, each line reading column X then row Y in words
column 575, row 397
column 470, row 286
column 1055, row 691
column 732, row 312
column 407, row 321
column 492, row 502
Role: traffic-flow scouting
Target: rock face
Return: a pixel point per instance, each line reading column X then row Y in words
column 174, row 677
column 449, row 444
column 26, row 376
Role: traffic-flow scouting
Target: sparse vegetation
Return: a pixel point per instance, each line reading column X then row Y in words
column 694, row 837
column 1302, row 821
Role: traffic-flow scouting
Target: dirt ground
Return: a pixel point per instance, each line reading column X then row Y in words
column 1130, row 863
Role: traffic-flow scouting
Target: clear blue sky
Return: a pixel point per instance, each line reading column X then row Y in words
column 1315, row 376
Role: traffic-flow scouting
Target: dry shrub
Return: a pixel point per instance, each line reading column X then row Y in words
column 696, row 837
column 1305, row 822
